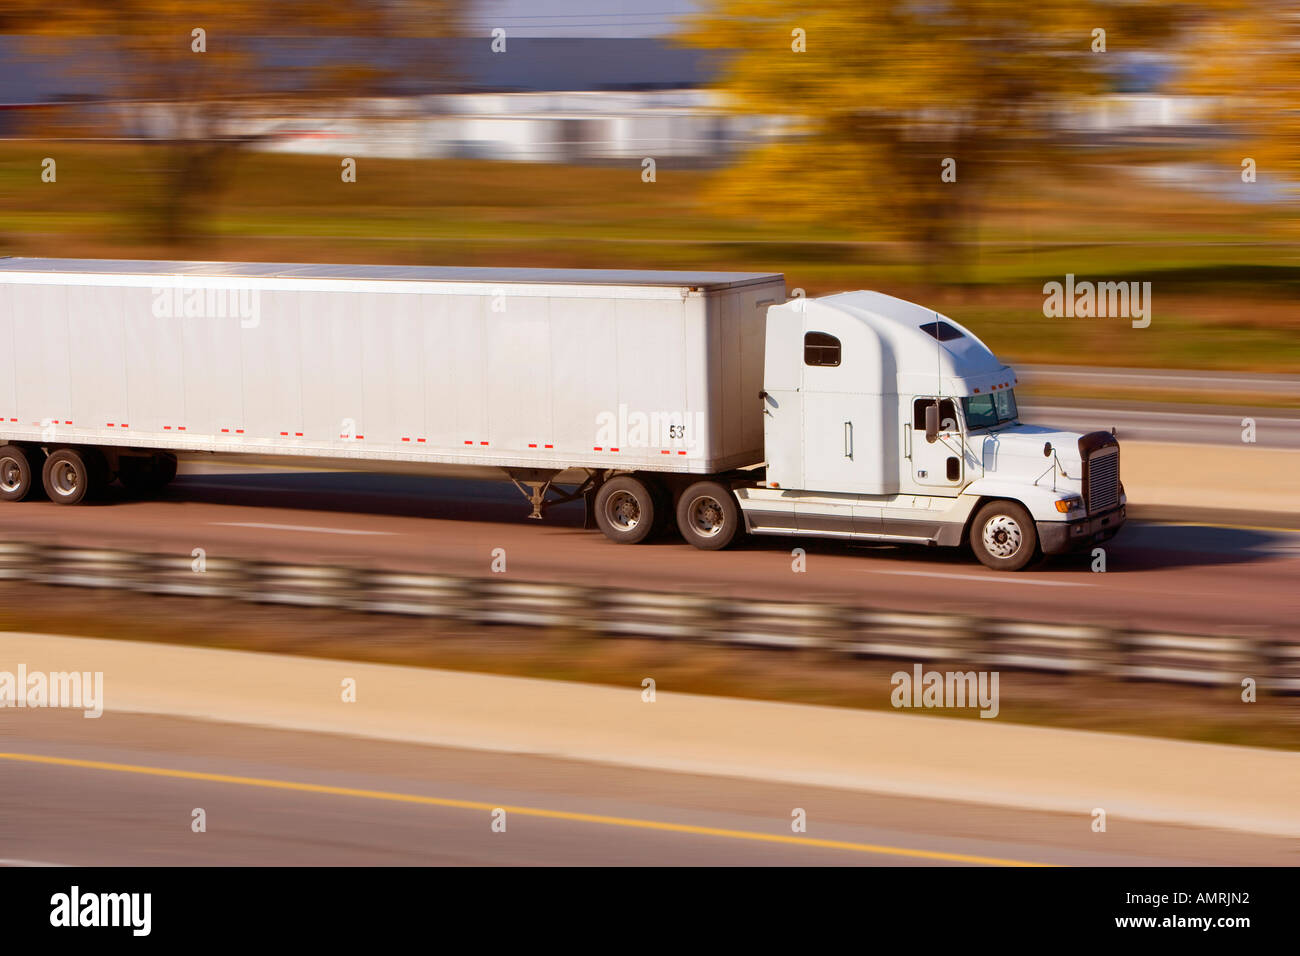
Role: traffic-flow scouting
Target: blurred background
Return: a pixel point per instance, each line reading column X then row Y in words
column 1105, row 140
column 1116, row 141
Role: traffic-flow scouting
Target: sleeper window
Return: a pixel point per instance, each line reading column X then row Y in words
column 821, row 349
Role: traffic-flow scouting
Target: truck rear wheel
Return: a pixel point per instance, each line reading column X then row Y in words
column 625, row 510
column 20, row 469
column 1003, row 536
column 708, row 516
column 71, row 475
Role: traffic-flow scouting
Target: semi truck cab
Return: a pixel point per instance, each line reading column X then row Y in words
column 886, row 421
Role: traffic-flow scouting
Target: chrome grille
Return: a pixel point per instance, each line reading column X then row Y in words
column 1103, row 481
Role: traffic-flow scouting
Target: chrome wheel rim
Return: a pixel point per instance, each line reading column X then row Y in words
column 622, row 510
column 706, row 516
column 1002, row 536
column 65, row 478
column 11, row 475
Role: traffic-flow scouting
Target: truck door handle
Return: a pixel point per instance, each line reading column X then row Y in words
column 848, row 439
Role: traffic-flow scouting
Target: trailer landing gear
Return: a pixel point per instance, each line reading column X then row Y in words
column 539, row 482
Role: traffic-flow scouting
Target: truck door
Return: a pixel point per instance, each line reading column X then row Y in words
column 938, row 464
column 840, row 431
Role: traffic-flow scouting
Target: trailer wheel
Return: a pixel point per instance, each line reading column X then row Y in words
column 1003, row 536
column 625, row 510
column 708, row 516
column 70, row 475
column 19, row 468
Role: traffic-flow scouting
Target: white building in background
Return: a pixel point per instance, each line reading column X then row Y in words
column 552, row 127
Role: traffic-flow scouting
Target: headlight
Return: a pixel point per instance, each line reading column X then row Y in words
column 1067, row 505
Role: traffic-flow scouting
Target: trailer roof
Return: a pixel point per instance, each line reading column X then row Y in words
column 619, row 277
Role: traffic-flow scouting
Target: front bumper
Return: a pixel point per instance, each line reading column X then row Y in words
column 1058, row 537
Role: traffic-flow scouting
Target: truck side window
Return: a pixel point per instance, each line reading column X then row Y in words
column 821, row 349
column 947, row 414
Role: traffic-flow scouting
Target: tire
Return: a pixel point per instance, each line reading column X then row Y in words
column 70, row 475
column 20, row 471
column 625, row 510
column 1003, row 536
column 147, row 476
column 708, row 516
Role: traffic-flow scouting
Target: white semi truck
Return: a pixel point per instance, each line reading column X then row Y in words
column 707, row 398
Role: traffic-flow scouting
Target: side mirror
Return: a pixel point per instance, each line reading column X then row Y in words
column 932, row 423
column 1047, row 449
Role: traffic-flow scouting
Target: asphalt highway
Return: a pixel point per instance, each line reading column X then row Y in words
column 122, row 790
column 1194, row 579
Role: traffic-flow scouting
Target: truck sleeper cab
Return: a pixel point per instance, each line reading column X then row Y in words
column 885, row 421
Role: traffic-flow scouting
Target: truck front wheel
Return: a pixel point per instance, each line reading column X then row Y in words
column 625, row 510
column 1003, row 536
column 708, row 516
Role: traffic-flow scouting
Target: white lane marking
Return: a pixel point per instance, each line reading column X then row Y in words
column 1004, row 579
column 29, row 863
column 296, row 527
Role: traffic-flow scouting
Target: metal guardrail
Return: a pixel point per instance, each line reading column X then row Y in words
column 964, row 641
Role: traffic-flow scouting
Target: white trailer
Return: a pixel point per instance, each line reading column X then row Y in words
column 704, row 396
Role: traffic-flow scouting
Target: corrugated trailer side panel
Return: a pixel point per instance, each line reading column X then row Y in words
column 516, row 393
column 438, row 372
column 584, row 344
column 649, row 394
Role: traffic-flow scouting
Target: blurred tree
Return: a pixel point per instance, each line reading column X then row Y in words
column 182, row 72
column 884, row 92
column 1246, row 57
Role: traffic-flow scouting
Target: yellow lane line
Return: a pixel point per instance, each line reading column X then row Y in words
column 626, row 822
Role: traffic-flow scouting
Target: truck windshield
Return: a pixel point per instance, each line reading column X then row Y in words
column 985, row 411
